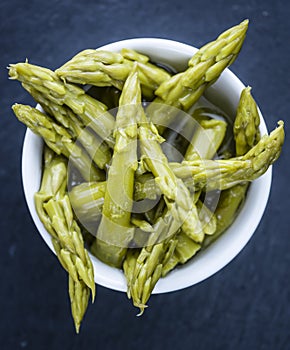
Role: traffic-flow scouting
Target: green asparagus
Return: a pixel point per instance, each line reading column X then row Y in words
column 246, row 124
column 143, row 270
column 115, row 230
column 204, row 68
column 92, row 67
column 174, row 190
column 58, row 139
column 206, row 139
column 229, row 202
column 92, row 112
column 98, row 150
column 246, row 134
column 223, row 174
column 55, row 212
column 87, row 200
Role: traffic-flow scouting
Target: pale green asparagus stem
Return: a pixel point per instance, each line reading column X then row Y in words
column 92, row 112
column 174, row 190
column 79, row 296
column 115, row 231
column 87, row 200
column 204, row 68
column 223, row 174
column 152, row 259
column 206, row 140
column 205, row 143
column 134, row 56
column 98, row 150
column 246, row 126
column 229, row 202
column 92, row 67
column 53, row 207
column 58, row 139
column 185, row 249
column 246, row 134
column 143, row 271
column 129, row 267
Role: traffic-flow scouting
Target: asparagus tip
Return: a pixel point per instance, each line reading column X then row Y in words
column 142, row 308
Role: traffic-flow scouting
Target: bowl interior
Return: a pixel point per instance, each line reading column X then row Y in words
column 224, row 93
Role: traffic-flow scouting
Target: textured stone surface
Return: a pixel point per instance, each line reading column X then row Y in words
column 244, row 306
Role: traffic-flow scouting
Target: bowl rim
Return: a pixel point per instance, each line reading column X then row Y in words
column 175, row 280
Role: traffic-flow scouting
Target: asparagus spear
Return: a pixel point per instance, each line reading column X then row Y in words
column 144, row 274
column 174, row 190
column 98, row 150
column 246, row 135
column 185, row 249
column 115, row 230
column 54, row 210
column 246, row 126
column 206, row 140
column 223, row 174
column 147, row 275
column 87, row 200
column 143, row 270
column 229, row 202
column 91, row 111
column 58, row 139
column 204, row 68
column 134, row 56
column 90, row 67
column 143, row 267
column 79, row 296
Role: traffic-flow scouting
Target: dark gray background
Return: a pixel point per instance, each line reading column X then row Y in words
column 244, row 306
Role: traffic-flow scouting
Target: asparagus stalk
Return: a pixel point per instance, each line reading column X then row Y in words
column 54, row 210
column 229, row 202
column 206, row 140
column 204, row 68
column 144, row 274
column 58, row 139
column 79, row 296
column 223, row 174
column 143, row 267
column 98, row 150
column 246, row 126
column 143, row 270
column 246, row 135
column 87, row 200
column 92, row 112
column 115, row 230
column 148, row 270
column 185, row 249
column 174, row 190
column 92, row 67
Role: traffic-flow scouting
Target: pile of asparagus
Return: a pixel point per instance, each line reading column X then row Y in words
column 120, row 161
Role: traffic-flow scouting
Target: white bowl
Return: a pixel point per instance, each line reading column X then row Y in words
column 225, row 93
